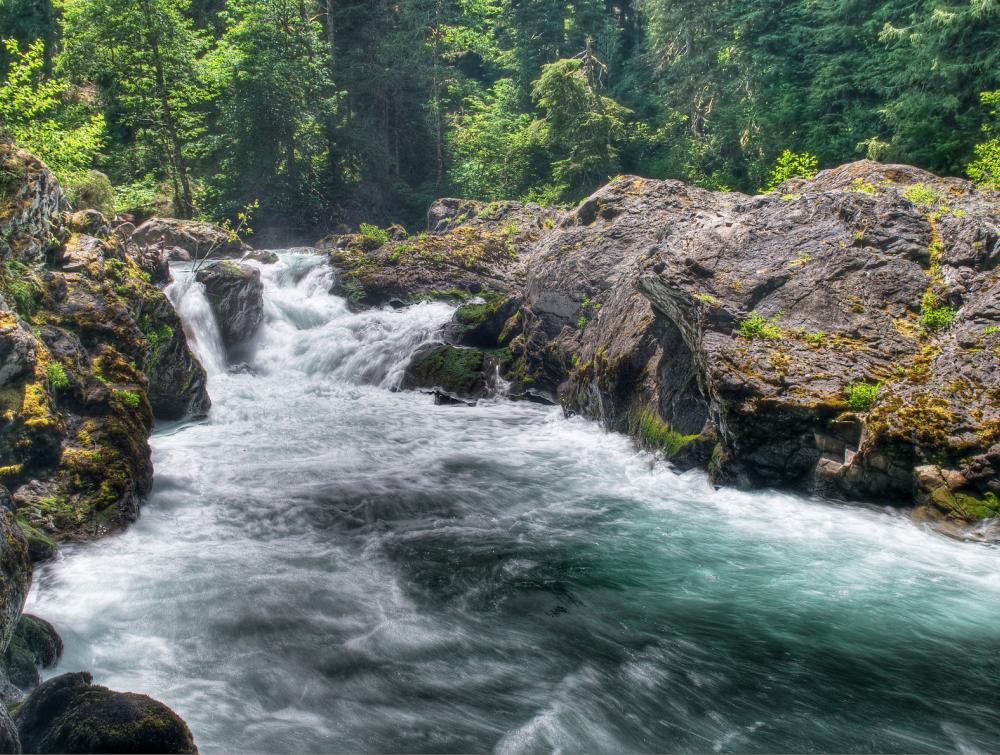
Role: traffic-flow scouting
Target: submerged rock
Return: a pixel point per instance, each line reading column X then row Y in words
column 69, row 714
column 236, row 295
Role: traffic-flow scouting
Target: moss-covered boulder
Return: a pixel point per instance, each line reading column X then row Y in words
column 35, row 644
column 69, row 714
column 461, row 373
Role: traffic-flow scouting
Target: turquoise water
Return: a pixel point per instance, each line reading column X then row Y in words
column 327, row 565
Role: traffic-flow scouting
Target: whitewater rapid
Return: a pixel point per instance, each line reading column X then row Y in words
column 326, row 564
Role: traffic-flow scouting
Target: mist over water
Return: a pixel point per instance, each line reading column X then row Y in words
column 328, row 565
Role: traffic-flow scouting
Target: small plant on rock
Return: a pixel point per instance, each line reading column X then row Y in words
column 861, row 395
column 373, row 232
column 56, row 374
column 758, row 327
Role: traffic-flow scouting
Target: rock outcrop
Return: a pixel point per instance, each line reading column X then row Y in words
column 94, row 352
column 473, row 248
column 187, row 239
column 236, row 295
column 838, row 336
column 69, row 714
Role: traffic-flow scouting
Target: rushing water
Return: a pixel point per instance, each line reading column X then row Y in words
column 328, row 565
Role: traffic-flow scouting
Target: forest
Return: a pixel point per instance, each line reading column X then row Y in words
column 321, row 113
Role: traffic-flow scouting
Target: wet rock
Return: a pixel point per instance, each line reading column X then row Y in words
column 15, row 575
column 263, row 256
column 9, row 741
column 69, row 714
column 236, row 295
column 35, row 644
column 153, row 262
column 458, row 373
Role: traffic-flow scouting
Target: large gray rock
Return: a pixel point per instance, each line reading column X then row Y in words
column 762, row 325
column 32, row 224
column 236, row 294
column 197, row 239
column 69, row 714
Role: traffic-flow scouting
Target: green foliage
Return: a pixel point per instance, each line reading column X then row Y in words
column 933, row 319
column 792, row 165
column 861, row 395
column 985, row 169
column 56, row 375
column 375, row 233
column 91, row 190
column 653, row 432
column 129, row 398
column 46, row 116
column 758, row 327
column 21, row 284
column 815, row 338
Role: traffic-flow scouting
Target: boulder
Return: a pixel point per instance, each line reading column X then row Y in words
column 236, row 295
column 31, row 223
column 35, row 644
column 69, row 714
column 459, row 373
column 17, row 349
column 196, row 239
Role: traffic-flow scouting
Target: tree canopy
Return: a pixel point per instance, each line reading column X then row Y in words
column 336, row 111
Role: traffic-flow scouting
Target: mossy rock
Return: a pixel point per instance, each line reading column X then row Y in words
column 70, row 714
column 458, row 372
column 480, row 322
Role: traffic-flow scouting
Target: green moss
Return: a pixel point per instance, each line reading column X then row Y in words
column 922, row 194
column 21, row 287
column 816, row 338
column 986, row 507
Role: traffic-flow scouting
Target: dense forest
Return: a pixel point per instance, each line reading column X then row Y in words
column 323, row 112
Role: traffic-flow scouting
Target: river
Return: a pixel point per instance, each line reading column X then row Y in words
column 328, row 565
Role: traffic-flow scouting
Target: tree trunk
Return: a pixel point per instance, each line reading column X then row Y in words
column 186, row 204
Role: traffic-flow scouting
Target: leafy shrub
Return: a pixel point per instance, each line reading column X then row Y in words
column 758, row 327
column 374, row 232
column 792, row 165
column 933, row 319
column 816, row 338
column 91, row 190
column 861, row 395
